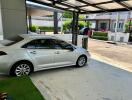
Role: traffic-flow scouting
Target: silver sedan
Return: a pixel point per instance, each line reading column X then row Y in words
column 34, row 53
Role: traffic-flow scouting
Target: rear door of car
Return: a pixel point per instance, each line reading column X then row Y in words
column 41, row 53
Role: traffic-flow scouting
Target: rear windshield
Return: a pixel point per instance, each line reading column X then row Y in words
column 16, row 40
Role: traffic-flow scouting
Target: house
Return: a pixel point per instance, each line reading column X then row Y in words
column 107, row 21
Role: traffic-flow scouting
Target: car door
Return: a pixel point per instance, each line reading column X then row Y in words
column 64, row 53
column 41, row 53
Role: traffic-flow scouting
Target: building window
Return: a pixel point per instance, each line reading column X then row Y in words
column 114, row 25
column 103, row 26
column 121, row 25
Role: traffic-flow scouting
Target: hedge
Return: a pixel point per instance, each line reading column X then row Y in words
column 104, row 34
column 100, row 35
column 47, row 29
column 100, row 38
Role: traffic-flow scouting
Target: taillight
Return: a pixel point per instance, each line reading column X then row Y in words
column 2, row 53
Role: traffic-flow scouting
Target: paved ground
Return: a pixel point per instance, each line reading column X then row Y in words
column 98, row 81
column 120, row 55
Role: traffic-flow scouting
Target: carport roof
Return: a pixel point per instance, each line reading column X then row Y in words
column 33, row 5
column 88, row 6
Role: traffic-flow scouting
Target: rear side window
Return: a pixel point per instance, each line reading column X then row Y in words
column 30, row 45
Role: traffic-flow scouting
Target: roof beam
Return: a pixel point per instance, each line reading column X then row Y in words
column 111, row 10
column 103, row 3
column 67, row 5
column 89, row 4
column 108, row 2
column 122, row 4
column 98, row 3
column 48, row 4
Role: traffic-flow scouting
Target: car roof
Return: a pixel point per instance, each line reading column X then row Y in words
column 37, row 36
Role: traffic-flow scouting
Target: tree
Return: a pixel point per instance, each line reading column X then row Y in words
column 68, row 24
column 127, row 25
column 67, row 14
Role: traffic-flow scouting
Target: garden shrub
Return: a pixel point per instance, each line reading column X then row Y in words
column 33, row 28
column 100, row 35
column 47, row 29
column 68, row 25
column 100, row 38
column 105, row 34
column 127, row 26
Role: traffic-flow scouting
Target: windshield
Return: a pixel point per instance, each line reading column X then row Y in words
column 9, row 43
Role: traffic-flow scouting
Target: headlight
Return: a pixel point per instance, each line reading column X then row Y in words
column 2, row 53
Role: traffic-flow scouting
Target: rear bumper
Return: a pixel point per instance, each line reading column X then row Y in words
column 5, row 63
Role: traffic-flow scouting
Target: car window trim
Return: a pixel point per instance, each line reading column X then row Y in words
column 40, row 48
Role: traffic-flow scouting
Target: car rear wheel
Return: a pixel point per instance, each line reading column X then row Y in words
column 82, row 60
column 21, row 69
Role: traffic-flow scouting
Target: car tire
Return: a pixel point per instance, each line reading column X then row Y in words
column 82, row 60
column 21, row 69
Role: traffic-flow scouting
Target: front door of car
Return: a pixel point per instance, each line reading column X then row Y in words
column 64, row 53
column 41, row 53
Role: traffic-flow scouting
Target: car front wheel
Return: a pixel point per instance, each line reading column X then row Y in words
column 20, row 69
column 82, row 60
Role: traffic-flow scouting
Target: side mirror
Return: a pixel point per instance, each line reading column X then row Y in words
column 71, row 49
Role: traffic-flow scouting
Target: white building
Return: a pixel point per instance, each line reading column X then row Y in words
column 107, row 21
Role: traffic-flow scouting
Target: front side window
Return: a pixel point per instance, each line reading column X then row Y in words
column 63, row 44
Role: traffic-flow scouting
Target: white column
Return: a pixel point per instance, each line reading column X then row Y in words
column 13, row 19
column 116, row 27
column 117, row 20
column 1, row 26
column 61, row 23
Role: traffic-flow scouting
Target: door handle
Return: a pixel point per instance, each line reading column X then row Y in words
column 57, row 52
column 33, row 52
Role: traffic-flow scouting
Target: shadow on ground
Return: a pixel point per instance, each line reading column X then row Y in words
column 96, row 81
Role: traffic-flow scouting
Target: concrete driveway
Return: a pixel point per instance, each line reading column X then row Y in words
column 120, row 54
column 97, row 81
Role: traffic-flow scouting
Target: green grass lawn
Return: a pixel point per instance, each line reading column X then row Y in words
column 20, row 88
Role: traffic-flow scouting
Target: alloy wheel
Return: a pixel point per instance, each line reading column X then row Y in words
column 22, row 69
column 81, row 61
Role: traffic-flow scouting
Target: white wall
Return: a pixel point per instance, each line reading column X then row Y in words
column 13, row 13
column 45, row 23
column 1, row 27
column 117, row 36
column 68, row 38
